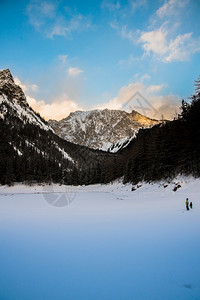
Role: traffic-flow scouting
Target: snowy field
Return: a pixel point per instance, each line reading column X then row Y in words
column 108, row 243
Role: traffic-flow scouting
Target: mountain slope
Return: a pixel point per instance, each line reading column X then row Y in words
column 165, row 151
column 13, row 98
column 29, row 149
column 101, row 129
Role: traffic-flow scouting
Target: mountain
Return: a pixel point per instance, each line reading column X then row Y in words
column 31, row 151
column 108, row 130
column 12, row 98
column 168, row 150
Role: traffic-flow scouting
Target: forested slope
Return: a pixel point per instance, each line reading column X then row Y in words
column 167, row 149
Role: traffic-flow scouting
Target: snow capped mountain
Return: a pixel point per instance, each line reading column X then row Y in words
column 8, row 87
column 107, row 130
column 13, row 100
column 31, row 151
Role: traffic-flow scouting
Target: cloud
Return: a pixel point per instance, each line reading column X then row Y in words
column 53, row 20
column 111, row 5
column 63, row 58
column 182, row 47
column 178, row 49
column 163, row 41
column 63, row 27
column 155, row 41
column 126, row 63
column 58, row 29
column 144, row 99
column 62, row 105
column 171, row 7
column 138, row 4
column 39, row 12
column 56, row 110
column 73, row 72
column 129, row 34
column 155, row 88
column 27, row 87
column 48, row 9
column 145, row 77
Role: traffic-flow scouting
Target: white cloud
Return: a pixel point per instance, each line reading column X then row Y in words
column 155, row 88
column 163, row 42
column 152, row 104
column 73, row 72
column 171, row 7
column 182, row 47
column 145, row 77
column 144, row 99
column 64, row 27
column 26, row 87
column 33, row 87
column 111, row 5
column 178, row 49
column 39, row 12
column 56, row 110
column 63, row 58
column 129, row 34
column 138, row 4
column 125, row 63
column 79, row 23
column 58, row 30
column 48, row 9
column 60, row 107
column 48, row 19
column 154, row 41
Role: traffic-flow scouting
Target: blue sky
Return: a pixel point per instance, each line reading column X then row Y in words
column 70, row 55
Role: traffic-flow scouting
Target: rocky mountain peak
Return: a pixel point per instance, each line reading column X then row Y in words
column 5, row 75
column 106, row 129
column 13, row 103
column 10, row 89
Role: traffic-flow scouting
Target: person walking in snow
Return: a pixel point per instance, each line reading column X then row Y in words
column 191, row 204
column 187, row 204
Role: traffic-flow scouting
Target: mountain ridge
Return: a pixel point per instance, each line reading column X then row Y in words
column 30, row 150
column 12, row 90
column 11, row 95
column 105, row 129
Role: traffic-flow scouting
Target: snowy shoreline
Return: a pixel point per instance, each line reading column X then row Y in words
column 179, row 183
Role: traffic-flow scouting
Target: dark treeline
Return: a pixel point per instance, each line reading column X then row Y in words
column 167, row 149
column 31, row 154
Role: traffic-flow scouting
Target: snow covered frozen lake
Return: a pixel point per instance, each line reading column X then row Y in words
column 109, row 243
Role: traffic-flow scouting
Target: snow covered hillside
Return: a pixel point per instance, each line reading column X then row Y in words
column 108, row 130
column 13, row 100
column 108, row 243
column 29, row 149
